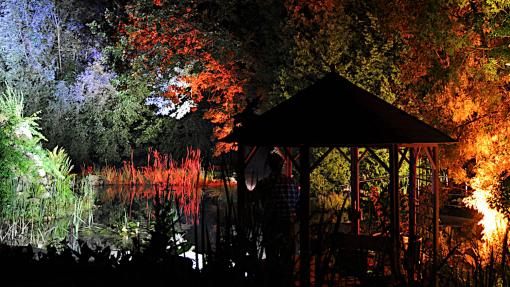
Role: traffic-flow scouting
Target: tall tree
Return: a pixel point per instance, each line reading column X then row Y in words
column 167, row 42
column 456, row 77
column 26, row 49
column 348, row 37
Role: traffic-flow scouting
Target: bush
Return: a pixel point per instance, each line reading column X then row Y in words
column 35, row 183
column 20, row 151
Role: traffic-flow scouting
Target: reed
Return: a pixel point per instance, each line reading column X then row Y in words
column 183, row 179
column 28, row 219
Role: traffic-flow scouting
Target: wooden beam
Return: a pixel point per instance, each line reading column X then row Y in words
column 362, row 156
column 412, row 217
column 379, row 160
column 355, row 192
column 429, row 151
column 342, row 153
column 250, row 155
column 436, row 192
column 418, row 153
column 304, row 216
column 320, row 159
column 287, row 154
column 421, row 145
column 288, row 164
column 395, row 211
column 403, row 156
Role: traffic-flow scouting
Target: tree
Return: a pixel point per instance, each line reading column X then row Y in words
column 347, row 37
column 52, row 51
column 186, row 63
column 26, row 43
column 456, row 77
column 344, row 36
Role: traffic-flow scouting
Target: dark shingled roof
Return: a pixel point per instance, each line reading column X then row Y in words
column 335, row 112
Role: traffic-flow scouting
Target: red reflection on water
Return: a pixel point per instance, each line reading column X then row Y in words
column 161, row 177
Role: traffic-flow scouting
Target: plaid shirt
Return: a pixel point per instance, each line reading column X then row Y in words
column 279, row 196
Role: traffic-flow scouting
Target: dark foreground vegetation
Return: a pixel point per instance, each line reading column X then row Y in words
column 157, row 262
column 26, row 267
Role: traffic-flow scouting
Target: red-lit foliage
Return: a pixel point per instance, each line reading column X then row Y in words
column 162, row 40
column 380, row 207
column 86, row 170
column 185, row 180
column 161, row 173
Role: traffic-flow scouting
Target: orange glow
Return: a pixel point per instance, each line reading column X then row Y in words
column 493, row 222
column 162, row 174
column 490, row 149
column 185, row 179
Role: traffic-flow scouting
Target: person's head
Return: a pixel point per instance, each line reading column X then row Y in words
column 275, row 162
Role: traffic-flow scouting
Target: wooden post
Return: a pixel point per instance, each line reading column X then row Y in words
column 412, row 216
column 355, row 196
column 241, row 181
column 304, row 215
column 435, row 192
column 395, row 210
column 288, row 163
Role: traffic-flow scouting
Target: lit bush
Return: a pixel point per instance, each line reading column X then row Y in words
column 35, row 183
column 21, row 154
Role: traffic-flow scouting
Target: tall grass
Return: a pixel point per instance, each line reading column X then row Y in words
column 27, row 219
column 181, row 178
column 36, row 192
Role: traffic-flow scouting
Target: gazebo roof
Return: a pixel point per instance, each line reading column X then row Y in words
column 335, row 112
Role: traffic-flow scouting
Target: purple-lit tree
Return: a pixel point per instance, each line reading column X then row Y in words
column 52, row 52
column 27, row 39
column 40, row 45
column 81, row 107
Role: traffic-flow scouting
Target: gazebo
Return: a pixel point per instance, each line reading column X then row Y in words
column 334, row 113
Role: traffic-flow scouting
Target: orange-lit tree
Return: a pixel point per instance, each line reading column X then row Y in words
column 456, row 77
column 447, row 62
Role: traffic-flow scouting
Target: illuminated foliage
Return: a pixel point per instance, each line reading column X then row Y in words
column 20, row 139
column 186, row 61
column 346, row 36
column 456, row 77
column 160, row 174
column 444, row 61
column 26, row 44
column 26, row 169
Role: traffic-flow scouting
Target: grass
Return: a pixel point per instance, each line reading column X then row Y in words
column 27, row 219
column 183, row 178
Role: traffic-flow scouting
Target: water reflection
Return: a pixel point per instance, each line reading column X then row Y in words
column 124, row 208
column 125, row 213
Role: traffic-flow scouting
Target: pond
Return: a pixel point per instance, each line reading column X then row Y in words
column 123, row 215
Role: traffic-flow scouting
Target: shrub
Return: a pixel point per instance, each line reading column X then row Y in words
column 35, row 183
column 21, row 155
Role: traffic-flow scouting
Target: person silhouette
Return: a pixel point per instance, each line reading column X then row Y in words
column 278, row 196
